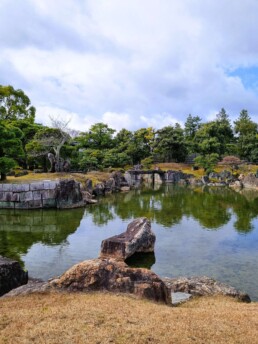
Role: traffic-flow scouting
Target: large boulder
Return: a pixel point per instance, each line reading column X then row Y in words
column 69, row 194
column 204, row 286
column 250, row 181
column 115, row 276
column 137, row 238
column 11, row 275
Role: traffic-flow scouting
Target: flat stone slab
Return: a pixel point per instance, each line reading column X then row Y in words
column 179, row 297
column 32, row 287
column 11, row 275
column 137, row 238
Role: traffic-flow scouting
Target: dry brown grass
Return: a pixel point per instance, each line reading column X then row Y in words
column 95, row 176
column 188, row 168
column 108, row 318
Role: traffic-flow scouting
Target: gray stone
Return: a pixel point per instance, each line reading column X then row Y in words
column 36, row 186
column 250, row 181
column 37, row 195
column 195, row 182
column 20, row 205
column 99, row 189
column 49, row 194
column 137, row 238
column 61, row 194
column 204, row 286
column 88, row 185
column 179, row 297
column 26, row 196
column 158, row 178
column 7, row 187
column 205, row 179
column 49, row 185
column 110, row 184
column 32, row 287
column 21, row 187
column 11, row 275
column 34, row 204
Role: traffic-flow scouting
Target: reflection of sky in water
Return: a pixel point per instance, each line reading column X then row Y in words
column 184, row 247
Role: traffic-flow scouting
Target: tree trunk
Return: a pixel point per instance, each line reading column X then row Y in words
column 3, row 176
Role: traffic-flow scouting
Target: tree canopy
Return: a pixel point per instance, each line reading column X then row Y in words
column 15, row 105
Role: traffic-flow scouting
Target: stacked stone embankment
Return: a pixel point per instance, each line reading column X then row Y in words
column 45, row 194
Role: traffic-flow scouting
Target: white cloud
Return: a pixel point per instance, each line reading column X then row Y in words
column 129, row 63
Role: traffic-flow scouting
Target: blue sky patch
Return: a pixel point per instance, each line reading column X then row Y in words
column 249, row 76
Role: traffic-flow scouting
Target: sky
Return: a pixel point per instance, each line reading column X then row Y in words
column 131, row 63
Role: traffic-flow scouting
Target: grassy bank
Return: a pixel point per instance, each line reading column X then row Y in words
column 108, row 318
column 95, row 176
column 98, row 176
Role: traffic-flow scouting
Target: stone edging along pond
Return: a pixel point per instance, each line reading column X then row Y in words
column 68, row 193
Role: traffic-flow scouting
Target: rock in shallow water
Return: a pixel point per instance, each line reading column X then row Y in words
column 137, row 238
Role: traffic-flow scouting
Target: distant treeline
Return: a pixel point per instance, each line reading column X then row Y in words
column 29, row 145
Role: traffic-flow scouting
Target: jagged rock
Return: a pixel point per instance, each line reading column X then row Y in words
column 68, row 193
column 217, row 184
column 195, row 182
column 99, row 189
column 88, row 198
column 116, row 182
column 236, row 184
column 250, row 181
column 88, row 185
column 137, row 238
column 110, row 185
column 11, row 275
column 205, row 179
column 204, row 286
column 225, row 174
column 114, row 276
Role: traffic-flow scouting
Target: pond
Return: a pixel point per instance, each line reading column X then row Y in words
column 200, row 231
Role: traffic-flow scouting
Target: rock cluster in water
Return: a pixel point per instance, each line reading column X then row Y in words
column 112, row 274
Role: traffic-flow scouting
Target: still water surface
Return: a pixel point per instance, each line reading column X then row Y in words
column 201, row 231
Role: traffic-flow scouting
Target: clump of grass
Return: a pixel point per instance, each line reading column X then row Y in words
column 108, row 318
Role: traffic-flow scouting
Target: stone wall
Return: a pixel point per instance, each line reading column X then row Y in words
column 45, row 194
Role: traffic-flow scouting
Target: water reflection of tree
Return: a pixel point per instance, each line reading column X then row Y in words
column 211, row 207
column 101, row 213
column 19, row 230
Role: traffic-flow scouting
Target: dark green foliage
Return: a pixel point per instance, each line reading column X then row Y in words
column 170, row 144
column 10, row 147
column 15, row 105
column 247, row 137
